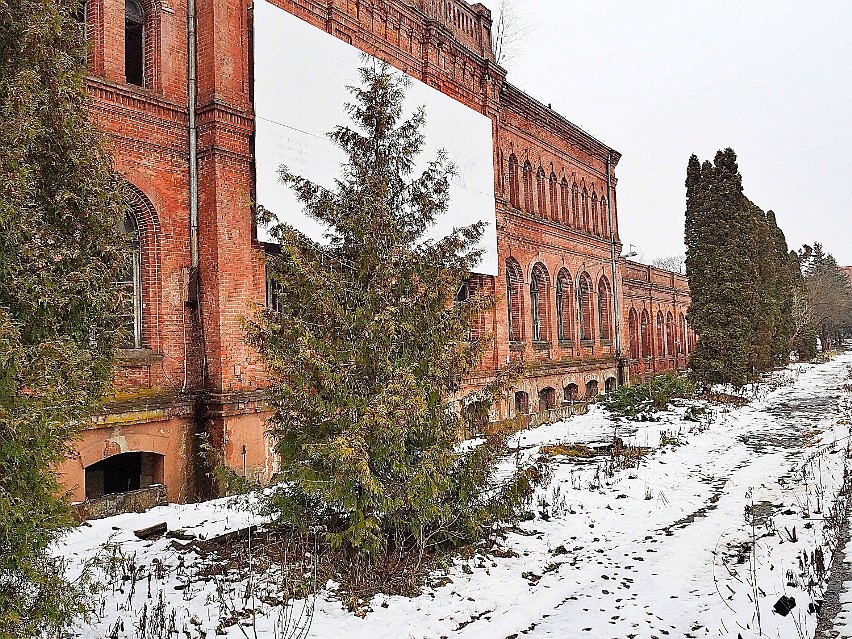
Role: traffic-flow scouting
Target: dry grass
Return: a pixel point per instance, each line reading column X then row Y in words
column 565, row 450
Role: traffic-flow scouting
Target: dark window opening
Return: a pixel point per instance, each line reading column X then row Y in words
column 129, row 284
column 610, row 385
column 123, row 473
column 134, row 43
column 592, row 389
column 547, row 399
column 571, row 392
column 522, row 403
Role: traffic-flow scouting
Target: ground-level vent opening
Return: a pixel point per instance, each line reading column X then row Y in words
column 123, row 473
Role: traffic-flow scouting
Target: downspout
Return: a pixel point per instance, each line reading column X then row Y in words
column 192, row 89
column 613, row 263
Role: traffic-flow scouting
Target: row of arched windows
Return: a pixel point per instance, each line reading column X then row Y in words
column 669, row 338
column 547, row 196
column 574, row 307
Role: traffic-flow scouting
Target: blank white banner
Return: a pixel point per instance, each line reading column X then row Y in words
column 300, row 79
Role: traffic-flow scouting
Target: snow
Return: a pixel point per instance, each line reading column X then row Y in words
column 658, row 550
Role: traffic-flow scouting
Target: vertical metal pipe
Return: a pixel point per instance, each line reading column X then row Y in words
column 192, row 90
column 613, row 262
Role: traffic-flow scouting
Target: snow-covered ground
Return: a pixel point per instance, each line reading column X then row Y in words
column 700, row 540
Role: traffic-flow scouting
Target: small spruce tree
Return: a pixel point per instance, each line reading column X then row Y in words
column 367, row 349
column 59, row 251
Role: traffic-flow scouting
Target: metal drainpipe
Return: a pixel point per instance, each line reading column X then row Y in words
column 616, row 311
column 192, row 85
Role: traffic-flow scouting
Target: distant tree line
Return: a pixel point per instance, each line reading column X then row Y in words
column 743, row 279
column 823, row 306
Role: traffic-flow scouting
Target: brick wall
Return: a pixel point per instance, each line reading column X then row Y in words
column 561, row 222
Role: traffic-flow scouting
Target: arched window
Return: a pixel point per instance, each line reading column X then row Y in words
column 595, row 226
column 514, row 187
column 584, row 294
column 604, row 218
column 129, row 283
column 592, row 389
column 684, row 338
column 633, row 332
column 575, row 207
column 554, row 198
column 566, row 201
column 670, row 335
column 514, row 299
column 565, row 306
column 610, row 385
column 661, row 336
column 584, row 206
column 571, row 392
column 605, row 308
column 546, row 399
column 134, row 43
column 541, row 186
column 647, row 335
column 539, row 289
column 529, row 205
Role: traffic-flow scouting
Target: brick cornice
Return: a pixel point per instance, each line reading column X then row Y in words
column 525, row 105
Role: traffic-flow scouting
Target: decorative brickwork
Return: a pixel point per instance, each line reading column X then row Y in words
column 555, row 187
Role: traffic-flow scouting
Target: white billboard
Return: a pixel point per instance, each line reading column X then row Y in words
column 300, row 79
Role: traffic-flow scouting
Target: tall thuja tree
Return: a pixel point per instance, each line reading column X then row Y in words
column 59, row 251
column 787, row 278
column 766, row 318
column 367, row 349
column 721, row 236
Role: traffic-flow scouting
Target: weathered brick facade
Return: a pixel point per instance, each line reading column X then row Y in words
column 194, row 379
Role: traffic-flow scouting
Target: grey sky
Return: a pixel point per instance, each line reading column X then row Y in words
column 659, row 81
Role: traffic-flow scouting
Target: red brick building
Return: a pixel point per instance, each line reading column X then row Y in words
column 188, row 386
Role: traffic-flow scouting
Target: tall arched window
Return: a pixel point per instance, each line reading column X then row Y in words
column 541, row 187
column 604, row 218
column 529, row 206
column 134, row 43
column 554, row 198
column 647, row 335
column 566, row 201
column 514, row 299
column 129, row 283
column 605, row 308
column 539, row 288
column 586, row 303
column 575, row 207
column 595, row 226
column 633, row 333
column 584, row 206
column 514, row 186
column 670, row 335
column 684, row 338
column 661, row 336
column 565, row 306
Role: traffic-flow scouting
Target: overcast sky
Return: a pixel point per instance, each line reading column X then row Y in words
column 660, row 80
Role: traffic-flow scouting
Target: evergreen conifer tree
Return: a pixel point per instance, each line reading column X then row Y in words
column 59, row 251
column 721, row 234
column 367, row 349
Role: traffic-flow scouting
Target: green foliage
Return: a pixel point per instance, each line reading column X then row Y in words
column 741, row 277
column 59, row 250
column 641, row 401
column 369, row 349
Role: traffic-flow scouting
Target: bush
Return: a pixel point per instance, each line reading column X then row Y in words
column 640, row 401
